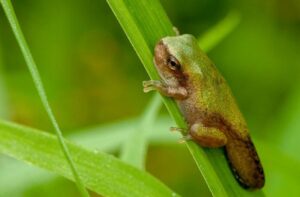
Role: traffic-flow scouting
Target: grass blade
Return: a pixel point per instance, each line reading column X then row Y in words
column 10, row 178
column 100, row 172
column 14, row 174
column 105, row 138
column 135, row 147
column 139, row 19
column 144, row 23
column 11, row 16
column 217, row 33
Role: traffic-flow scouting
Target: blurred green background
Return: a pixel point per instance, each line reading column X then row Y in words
column 93, row 76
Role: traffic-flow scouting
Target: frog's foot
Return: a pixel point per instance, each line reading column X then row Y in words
column 184, row 139
column 175, row 29
column 174, row 129
column 181, row 130
column 169, row 91
column 208, row 136
column 152, row 85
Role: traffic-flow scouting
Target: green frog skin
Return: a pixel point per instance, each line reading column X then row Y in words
column 205, row 100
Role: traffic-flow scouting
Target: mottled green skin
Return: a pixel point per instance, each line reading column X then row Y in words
column 208, row 101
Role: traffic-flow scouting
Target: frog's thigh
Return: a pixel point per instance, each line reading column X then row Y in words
column 207, row 136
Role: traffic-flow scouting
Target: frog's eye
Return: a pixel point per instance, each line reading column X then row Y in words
column 173, row 63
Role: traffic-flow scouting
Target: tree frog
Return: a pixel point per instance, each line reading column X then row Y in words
column 206, row 102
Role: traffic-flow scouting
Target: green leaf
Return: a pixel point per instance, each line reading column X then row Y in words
column 287, row 125
column 281, row 169
column 134, row 150
column 106, row 137
column 214, row 35
column 13, row 21
column 100, row 172
column 109, row 137
column 144, row 23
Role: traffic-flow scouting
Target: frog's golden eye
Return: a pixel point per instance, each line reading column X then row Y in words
column 173, row 63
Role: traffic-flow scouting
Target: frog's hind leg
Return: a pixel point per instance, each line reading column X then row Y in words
column 207, row 136
column 244, row 162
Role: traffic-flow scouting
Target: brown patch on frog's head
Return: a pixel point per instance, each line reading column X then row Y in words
column 169, row 68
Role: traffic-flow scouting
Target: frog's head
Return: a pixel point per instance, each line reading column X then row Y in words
column 175, row 57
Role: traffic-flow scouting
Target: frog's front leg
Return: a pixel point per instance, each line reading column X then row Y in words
column 207, row 136
column 177, row 92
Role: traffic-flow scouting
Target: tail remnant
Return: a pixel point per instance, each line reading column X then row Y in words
column 244, row 162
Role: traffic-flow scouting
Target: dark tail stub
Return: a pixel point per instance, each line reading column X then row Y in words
column 245, row 163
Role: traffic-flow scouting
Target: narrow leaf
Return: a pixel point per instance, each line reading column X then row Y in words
column 14, row 175
column 217, row 33
column 13, row 21
column 100, row 172
column 135, row 147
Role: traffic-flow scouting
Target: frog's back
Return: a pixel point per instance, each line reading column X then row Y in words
column 208, row 90
column 215, row 96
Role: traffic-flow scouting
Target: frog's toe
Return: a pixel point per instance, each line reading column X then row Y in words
column 175, row 29
column 149, row 88
column 185, row 139
column 173, row 129
column 151, row 83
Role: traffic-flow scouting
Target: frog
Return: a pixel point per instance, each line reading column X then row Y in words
column 207, row 104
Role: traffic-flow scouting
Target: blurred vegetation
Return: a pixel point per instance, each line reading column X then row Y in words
column 93, row 76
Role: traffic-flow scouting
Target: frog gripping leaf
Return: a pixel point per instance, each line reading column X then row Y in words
column 206, row 102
